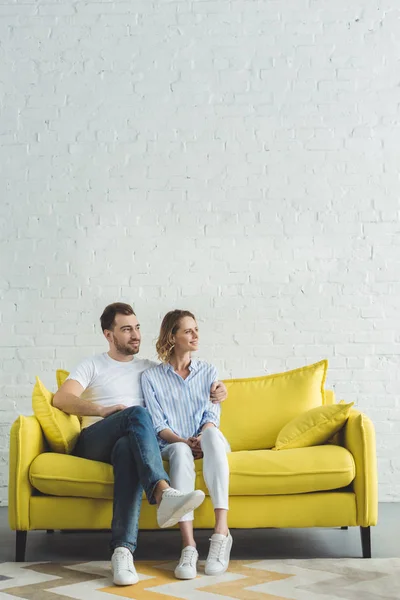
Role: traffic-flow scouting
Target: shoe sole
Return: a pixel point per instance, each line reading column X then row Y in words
column 185, row 508
column 229, row 545
column 115, row 582
column 185, row 578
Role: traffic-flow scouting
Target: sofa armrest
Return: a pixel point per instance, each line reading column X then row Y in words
column 26, row 443
column 359, row 439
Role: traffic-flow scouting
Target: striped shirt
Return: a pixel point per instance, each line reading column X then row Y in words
column 181, row 405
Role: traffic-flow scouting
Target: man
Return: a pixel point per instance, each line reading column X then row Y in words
column 105, row 391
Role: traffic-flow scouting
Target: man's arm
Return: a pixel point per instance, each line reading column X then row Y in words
column 69, row 401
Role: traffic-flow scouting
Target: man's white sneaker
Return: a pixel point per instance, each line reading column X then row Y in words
column 174, row 505
column 186, row 568
column 124, row 572
column 218, row 556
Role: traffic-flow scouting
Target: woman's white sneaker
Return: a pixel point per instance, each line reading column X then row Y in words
column 124, row 572
column 187, row 566
column 219, row 553
column 174, row 505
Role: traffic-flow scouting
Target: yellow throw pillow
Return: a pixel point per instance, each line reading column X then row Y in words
column 338, row 438
column 314, row 427
column 257, row 408
column 60, row 430
column 61, row 376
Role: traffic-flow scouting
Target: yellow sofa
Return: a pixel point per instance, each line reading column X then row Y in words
column 330, row 485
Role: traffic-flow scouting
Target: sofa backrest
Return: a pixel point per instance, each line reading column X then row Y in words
column 257, row 408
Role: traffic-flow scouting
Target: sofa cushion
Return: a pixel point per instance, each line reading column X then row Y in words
column 61, row 376
column 60, row 430
column 302, row 470
column 253, row 473
column 314, row 427
column 257, row 408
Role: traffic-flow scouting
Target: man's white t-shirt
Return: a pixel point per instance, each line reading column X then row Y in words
column 107, row 381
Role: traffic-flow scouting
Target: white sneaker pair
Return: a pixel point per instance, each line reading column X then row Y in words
column 173, row 506
column 217, row 560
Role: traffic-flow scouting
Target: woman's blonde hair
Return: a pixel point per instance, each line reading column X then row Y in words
column 169, row 326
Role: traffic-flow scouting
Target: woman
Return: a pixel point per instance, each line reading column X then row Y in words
column 177, row 395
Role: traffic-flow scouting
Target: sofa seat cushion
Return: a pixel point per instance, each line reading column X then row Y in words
column 297, row 471
column 66, row 475
column 253, row 473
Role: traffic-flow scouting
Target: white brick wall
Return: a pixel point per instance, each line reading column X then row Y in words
column 238, row 158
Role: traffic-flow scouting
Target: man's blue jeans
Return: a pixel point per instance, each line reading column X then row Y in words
column 126, row 440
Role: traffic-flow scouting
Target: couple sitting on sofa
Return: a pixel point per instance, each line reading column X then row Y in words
column 182, row 396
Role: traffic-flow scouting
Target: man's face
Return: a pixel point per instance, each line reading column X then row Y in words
column 125, row 335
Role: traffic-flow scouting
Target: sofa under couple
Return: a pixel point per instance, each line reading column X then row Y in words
column 299, row 459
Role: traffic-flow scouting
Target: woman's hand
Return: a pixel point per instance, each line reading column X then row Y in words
column 193, row 442
column 195, row 446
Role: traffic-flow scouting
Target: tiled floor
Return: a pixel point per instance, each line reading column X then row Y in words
column 290, row 579
column 248, row 544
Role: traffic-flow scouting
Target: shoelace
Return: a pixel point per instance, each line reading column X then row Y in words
column 171, row 493
column 122, row 561
column 217, row 549
column 188, row 555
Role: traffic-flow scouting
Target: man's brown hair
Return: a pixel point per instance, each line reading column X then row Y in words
column 109, row 313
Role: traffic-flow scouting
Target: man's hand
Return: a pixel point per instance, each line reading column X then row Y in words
column 195, row 446
column 106, row 411
column 218, row 392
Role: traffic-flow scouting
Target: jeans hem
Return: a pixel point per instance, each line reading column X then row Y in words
column 151, row 499
column 114, row 545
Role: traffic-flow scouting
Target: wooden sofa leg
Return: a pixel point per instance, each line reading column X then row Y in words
column 20, row 546
column 344, row 528
column 366, row 541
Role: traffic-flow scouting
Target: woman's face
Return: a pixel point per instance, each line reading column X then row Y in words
column 186, row 339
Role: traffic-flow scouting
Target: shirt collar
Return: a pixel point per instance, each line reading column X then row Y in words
column 194, row 366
